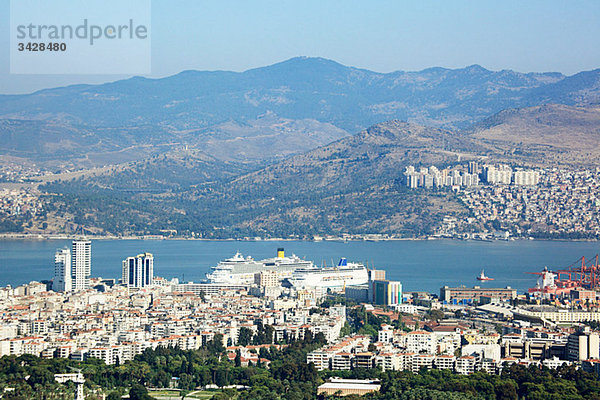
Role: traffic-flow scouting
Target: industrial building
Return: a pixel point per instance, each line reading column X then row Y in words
column 463, row 294
column 346, row 387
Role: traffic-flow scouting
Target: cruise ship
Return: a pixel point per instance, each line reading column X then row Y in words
column 342, row 275
column 240, row 270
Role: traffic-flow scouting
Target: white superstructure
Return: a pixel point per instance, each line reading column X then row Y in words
column 342, row 275
column 240, row 270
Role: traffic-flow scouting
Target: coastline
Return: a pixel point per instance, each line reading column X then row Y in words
column 43, row 237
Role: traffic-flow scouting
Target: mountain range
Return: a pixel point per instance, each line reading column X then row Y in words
column 303, row 147
column 94, row 123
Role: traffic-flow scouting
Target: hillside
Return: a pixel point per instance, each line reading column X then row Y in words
column 351, row 185
column 275, row 175
column 62, row 145
column 375, row 153
column 544, row 135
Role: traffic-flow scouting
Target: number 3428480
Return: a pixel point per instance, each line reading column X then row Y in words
column 42, row 46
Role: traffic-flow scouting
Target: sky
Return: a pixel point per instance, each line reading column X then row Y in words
column 380, row 35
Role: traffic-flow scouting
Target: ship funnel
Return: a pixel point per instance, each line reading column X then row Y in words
column 343, row 262
column 280, row 252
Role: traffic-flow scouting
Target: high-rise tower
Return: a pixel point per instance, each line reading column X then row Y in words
column 62, row 271
column 81, row 264
column 138, row 271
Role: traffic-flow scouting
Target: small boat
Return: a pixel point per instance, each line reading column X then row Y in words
column 482, row 277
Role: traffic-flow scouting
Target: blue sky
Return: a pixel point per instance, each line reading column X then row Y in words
column 379, row 35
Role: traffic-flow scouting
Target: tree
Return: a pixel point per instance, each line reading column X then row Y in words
column 114, row 396
column 506, row 391
column 215, row 346
column 346, row 330
column 221, row 377
column 186, row 382
column 245, row 336
column 139, row 392
column 435, row 315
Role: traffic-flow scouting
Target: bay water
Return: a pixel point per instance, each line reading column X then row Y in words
column 419, row 264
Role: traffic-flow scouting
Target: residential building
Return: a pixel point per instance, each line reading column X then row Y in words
column 62, row 271
column 81, row 264
column 583, row 345
column 138, row 271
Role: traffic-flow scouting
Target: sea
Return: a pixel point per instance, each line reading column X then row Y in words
column 421, row 265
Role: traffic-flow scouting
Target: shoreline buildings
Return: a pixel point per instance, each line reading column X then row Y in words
column 455, row 176
column 114, row 324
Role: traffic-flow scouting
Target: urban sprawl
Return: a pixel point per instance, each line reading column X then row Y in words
column 516, row 203
column 503, row 202
column 461, row 329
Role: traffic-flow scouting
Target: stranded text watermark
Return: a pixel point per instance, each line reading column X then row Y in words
column 83, row 31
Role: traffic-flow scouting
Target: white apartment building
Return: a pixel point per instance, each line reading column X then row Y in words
column 388, row 362
column 526, row 178
column 420, row 342
column 444, row 361
column 386, row 334
column 583, row 345
column 422, row 360
column 81, row 264
column 465, row 365
column 320, row 359
column 62, row 271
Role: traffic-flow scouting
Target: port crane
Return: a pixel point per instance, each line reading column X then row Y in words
column 581, row 274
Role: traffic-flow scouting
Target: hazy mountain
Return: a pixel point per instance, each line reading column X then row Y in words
column 298, row 88
column 198, row 108
column 62, row 143
column 265, row 139
column 268, row 151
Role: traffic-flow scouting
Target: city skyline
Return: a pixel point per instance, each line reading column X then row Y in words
column 389, row 199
